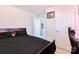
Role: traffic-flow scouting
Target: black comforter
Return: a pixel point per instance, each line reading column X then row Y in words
column 25, row 44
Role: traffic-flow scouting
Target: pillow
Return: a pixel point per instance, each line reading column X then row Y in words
column 13, row 33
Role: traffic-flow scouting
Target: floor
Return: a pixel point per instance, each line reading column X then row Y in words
column 61, row 51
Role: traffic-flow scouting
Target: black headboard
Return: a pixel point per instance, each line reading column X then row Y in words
column 20, row 31
column 7, row 32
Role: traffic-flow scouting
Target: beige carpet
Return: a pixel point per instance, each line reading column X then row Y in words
column 61, row 51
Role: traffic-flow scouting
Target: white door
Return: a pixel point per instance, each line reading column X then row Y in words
column 36, row 27
column 39, row 27
column 63, row 21
column 42, row 28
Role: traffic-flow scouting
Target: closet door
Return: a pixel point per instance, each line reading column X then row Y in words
column 63, row 21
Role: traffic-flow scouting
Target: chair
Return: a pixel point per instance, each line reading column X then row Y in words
column 74, row 46
column 49, row 49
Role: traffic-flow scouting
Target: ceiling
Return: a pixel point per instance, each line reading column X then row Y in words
column 34, row 9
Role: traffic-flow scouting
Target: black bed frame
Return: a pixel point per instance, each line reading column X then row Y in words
column 49, row 49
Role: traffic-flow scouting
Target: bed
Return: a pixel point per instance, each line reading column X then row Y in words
column 17, row 41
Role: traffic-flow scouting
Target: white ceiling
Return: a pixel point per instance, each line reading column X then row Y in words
column 34, row 9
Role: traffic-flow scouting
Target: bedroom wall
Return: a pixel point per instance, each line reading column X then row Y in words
column 77, row 21
column 12, row 17
column 56, row 28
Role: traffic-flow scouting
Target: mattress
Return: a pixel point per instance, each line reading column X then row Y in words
column 24, row 44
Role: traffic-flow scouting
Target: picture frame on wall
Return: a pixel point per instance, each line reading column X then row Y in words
column 51, row 14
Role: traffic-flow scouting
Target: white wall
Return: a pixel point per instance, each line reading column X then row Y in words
column 77, row 21
column 57, row 27
column 12, row 17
